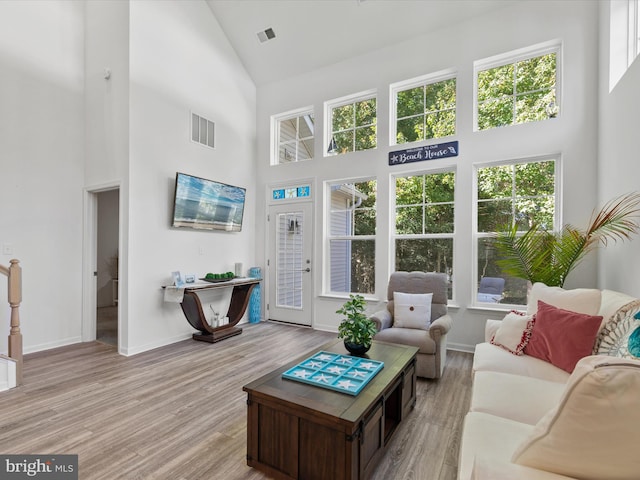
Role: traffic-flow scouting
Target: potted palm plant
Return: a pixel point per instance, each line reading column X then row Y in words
column 539, row 255
column 357, row 330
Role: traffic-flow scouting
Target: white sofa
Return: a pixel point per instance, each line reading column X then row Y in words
column 520, row 402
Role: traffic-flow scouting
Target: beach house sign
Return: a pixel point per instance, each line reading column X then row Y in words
column 426, row 152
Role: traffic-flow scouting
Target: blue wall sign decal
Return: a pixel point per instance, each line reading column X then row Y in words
column 426, row 152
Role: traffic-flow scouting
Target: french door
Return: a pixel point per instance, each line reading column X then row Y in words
column 289, row 267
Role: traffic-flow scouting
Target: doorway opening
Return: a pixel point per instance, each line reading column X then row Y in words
column 107, row 262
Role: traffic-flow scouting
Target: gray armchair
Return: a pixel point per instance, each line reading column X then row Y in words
column 432, row 342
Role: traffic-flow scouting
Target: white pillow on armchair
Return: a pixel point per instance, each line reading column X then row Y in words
column 412, row 310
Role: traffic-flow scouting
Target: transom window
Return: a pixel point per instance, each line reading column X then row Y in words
column 424, row 223
column 424, row 108
column 352, row 123
column 351, row 238
column 293, row 136
column 517, row 88
column 518, row 194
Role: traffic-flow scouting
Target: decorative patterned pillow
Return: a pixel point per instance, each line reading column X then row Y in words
column 412, row 310
column 613, row 339
column 514, row 332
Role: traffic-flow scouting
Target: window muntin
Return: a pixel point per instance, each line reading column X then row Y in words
column 425, row 111
column 293, row 136
column 424, row 223
column 351, row 236
column 352, row 124
column 511, row 194
column 519, row 90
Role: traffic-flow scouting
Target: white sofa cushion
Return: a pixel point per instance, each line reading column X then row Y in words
column 494, row 359
column 593, row 432
column 490, row 438
column 483, row 470
column 581, row 300
column 519, row 398
column 612, row 301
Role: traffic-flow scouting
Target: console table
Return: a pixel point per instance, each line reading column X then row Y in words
column 192, row 308
column 299, row 431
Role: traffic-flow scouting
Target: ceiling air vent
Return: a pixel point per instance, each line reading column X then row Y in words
column 202, row 130
column 268, row 34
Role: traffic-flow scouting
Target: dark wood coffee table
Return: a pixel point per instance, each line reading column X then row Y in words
column 300, row 431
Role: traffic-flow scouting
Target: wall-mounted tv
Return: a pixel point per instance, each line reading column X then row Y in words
column 208, row 205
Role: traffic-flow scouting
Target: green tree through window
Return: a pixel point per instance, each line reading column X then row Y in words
column 424, row 227
column 517, row 93
column 515, row 194
column 353, row 126
column 352, row 229
column 426, row 111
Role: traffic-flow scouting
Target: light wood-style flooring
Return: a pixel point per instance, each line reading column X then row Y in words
column 179, row 412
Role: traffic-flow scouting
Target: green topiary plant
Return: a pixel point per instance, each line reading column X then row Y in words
column 356, row 328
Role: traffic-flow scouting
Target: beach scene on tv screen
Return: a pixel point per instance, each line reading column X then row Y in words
column 207, row 204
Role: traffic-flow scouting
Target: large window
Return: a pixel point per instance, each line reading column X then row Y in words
column 351, row 123
column 424, row 227
column 292, row 136
column 424, row 108
column 352, row 230
column 518, row 88
column 513, row 194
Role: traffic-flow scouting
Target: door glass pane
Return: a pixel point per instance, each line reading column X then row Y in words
column 289, row 261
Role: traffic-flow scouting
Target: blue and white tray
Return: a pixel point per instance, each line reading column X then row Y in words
column 342, row 373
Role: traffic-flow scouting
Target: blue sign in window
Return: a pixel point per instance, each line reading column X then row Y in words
column 303, row 191
column 292, row 192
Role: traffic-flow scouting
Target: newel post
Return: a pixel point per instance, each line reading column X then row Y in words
column 15, row 297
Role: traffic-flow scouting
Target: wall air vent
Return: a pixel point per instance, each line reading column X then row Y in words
column 202, row 130
column 268, row 34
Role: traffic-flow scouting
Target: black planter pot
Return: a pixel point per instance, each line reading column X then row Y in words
column 356, row 349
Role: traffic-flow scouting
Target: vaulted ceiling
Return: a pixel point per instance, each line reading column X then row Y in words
column 310, row 34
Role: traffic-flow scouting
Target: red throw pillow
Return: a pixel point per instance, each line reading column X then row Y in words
column 562, row 337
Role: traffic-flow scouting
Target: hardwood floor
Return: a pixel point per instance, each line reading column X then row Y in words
column 179, row 412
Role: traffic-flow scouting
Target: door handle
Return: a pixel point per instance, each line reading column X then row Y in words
column 306, row 270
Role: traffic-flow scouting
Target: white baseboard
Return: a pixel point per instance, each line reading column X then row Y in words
column 48, row 346
column 127, row 352
column 461, row 347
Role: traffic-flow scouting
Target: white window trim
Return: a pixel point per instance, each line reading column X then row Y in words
column 633, row 31
column 557, row 220
column 327, row 237
column 420, row 81
column 275, row 130
column 329, row 105
column 392, row 219
column 514, row 56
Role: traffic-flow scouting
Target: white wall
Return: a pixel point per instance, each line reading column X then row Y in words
column 573, row 134
column 180, row 61
column 41, row 165
column 106, row 139
column 618, row 162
